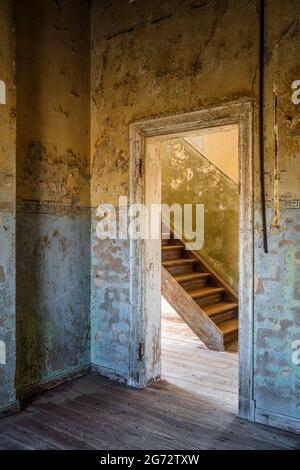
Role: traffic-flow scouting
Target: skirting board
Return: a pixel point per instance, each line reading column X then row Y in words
column 277, row 420
column 118, row 376
column 10, row 409
column 48, row 384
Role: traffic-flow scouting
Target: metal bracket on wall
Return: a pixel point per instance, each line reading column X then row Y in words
column 275, row 227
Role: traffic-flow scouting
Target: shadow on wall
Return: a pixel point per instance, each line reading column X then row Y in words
column 190, row 178
column 53, row 190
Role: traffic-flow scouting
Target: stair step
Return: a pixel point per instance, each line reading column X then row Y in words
column 229, row 329
column 170, row 252
column 180, row 265
column 190, row 276
column 221, row 311
column 192, row 281
column 205, row 292
column 204, row 288
column 207, row 295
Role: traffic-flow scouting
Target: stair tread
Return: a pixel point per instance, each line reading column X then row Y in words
column 229, row 326
column 205, row 292
column 179, row 261
column 220, row 307
column 205, row 288
column 190, row 276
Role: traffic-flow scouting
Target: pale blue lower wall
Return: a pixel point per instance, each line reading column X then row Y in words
column 7, row 307
column 53, row 295
column 277, row 320
column 110, row 305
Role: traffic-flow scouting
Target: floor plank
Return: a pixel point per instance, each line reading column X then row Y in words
column 193, row 407
column 188, row 364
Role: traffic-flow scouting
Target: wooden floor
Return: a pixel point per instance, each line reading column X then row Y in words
column 188, row 364
column 194, row 407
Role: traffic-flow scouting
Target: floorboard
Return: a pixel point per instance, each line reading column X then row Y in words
column 193, row 407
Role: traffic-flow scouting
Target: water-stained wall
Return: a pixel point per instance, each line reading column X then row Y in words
column 152, row 58
column 190, row 178
column 277, row 284
column 7, row 205
column 53, row 199
column 148, row 58
column 158, row 57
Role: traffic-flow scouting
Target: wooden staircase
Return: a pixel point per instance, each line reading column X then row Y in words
column 207, row 304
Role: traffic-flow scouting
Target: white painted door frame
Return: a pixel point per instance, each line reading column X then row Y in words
column 145, row 255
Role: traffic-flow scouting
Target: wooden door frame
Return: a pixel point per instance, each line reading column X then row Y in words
column 143, row 355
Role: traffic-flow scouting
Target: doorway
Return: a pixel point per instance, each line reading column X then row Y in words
column 201, row 172
column 145, row 262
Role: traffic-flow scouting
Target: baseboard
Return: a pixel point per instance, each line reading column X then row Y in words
column 246, row 409
column 112, row 374
column 277, row 420
column 27, row 392
column 10, row 409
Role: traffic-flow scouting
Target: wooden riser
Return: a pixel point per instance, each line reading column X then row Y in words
column 230, row 330
column 180, row 270
column 231, row 338
column 212, row 299
column 171, row 253
column 194, row 284
column 205, row 302
column 221, row 311
column 221, row 317
column 183, row 266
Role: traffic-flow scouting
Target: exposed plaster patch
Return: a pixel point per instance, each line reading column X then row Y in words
column 284, row 243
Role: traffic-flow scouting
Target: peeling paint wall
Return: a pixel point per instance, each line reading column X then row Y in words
column 7, row 204
column 154, row 58
column 53, row 189
column 277, row 299
column 189, row 178
column 149, row 59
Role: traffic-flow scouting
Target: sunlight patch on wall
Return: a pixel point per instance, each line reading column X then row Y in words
column 220, row 147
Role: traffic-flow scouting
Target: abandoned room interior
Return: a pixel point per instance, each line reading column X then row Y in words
column 149, row 224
